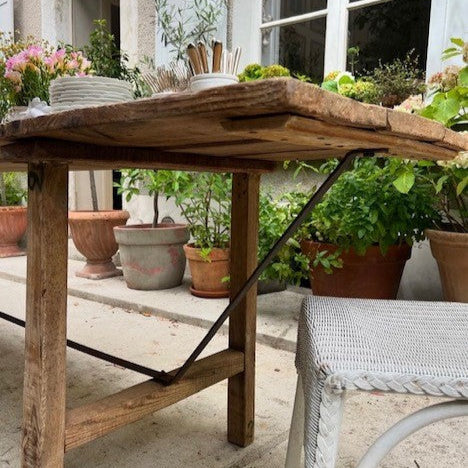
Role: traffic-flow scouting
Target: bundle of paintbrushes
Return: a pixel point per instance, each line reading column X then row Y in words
column 222, row 61
column 174, row 78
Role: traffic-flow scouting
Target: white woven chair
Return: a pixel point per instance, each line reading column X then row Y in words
column 390, row 346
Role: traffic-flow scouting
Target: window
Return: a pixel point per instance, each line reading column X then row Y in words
column 312, row 37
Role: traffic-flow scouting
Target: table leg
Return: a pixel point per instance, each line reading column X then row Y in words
column 46, row 307
column 242, row 322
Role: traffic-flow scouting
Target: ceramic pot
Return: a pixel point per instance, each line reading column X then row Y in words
column 152, row 257
column 371, row 276
column 450, row 249
column 13, row 223
column 207, row 275
column 93, row 235
column 212, row 80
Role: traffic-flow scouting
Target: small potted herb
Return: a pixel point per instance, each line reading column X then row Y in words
column 359, row 237
column 13, row 216
column 206, row 206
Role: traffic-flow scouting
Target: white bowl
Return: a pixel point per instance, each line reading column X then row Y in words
column 212, row 80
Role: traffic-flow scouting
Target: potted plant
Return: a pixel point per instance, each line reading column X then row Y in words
column 93, row 231
column 275, row 215
column 359, row 237
column 13, row 216
column 449, row 236
column 152, row 255
column 206, row 206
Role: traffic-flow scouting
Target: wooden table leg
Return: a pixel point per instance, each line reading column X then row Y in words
column 46, row 307
column 242, row 323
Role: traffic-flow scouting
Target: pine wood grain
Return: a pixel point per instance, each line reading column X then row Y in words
column 242, row 322
column 45, row 348
column 94, row 420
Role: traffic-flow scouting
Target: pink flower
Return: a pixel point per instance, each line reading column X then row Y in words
column 13, row 76
column 34, row 51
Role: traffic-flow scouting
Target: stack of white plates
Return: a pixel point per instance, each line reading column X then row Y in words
column 72, row 92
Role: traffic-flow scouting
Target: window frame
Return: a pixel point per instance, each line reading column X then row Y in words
column 336, row 35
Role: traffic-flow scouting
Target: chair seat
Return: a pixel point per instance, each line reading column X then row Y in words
column 388, row 345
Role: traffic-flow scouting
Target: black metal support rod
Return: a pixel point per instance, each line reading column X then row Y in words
column 344, row 165
column 157, row 375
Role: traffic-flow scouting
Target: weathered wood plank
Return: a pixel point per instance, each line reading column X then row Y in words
column 94, row 420
column 454, row 140
column 414, row 127
column 301, row 130
column 46, row 307
column 171, row 121
column 242, row 322
column 85, row 156
column 311, row 101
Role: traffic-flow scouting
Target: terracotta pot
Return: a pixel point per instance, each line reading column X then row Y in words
column 93, row 235
column 207, row 275
column 13, row 223
column 152, row 257
column 371, row 276
column 450, row 249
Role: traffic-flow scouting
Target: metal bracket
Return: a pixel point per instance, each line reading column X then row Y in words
column 344, row 165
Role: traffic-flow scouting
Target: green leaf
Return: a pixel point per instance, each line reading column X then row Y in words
column 446, row 110
column 440, row 183
column 463, row 76
column 330, row 86
column 405, row 181
column 461, row 186
column 457, row 41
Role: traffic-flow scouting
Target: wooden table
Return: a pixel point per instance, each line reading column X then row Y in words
column 244, row 129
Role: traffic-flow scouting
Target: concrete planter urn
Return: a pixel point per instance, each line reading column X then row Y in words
column 13, row 223
column 450, row 249
column 368, row 276
column 93, row 235
column 152, row 257
column 208, row 274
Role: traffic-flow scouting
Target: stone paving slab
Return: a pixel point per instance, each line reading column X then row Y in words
column 192, row 433
column 277, row 312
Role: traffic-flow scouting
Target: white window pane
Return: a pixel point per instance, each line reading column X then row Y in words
column 389, row 30
column 278, row 9
column 299, row 47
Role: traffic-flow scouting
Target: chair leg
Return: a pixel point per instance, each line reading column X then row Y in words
column 329, row 424
column 296, row 433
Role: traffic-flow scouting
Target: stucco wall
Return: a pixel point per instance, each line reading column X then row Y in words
column 28, row 14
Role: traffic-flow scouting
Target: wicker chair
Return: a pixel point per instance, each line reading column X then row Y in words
column 390, row 346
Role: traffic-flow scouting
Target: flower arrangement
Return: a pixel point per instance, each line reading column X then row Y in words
column 27, row 68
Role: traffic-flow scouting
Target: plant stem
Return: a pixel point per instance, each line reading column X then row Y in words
column 92, row 183
column 2, row 190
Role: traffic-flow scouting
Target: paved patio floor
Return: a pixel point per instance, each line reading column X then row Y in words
column 193, row 433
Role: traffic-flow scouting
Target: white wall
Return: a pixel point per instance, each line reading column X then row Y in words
column 6, row 16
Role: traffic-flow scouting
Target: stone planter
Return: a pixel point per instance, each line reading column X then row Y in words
column 152, row 257
column 450, row 249
column 371, row 276
column 207, row 275
column 13, row 223
column 93, row 235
